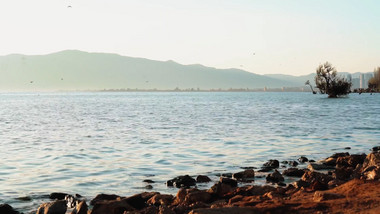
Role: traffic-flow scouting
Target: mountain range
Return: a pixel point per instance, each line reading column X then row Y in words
column 78, row 70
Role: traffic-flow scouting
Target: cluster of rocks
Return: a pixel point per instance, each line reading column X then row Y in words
column 226, row 196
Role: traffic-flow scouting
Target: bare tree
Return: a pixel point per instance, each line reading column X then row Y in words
column 328, row 82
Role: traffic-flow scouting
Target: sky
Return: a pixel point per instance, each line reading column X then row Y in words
column 264, row 37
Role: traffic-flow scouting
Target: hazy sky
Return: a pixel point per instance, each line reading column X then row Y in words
column 266, row 36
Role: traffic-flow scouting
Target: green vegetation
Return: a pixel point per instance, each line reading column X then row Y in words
column 374, row 82
column 328, row 82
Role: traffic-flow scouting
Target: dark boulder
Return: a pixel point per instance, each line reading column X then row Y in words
column 350, row 161
column 228, row 181
column 293, row 163
column 7, row 209
column 138, row 201
column 103, row 197
column 265, row 169
column 182, row 181
column 80, row 208
column 58, row 195
column 376, row 148
column 246, row 175
column 118, row 206
column 56, row 207
column 294, row 172
column 272, row 164
column 303, row 159
column 202, row 179
column 313, row 176
column 275, row 177
column 148, row 181
column 340, row 154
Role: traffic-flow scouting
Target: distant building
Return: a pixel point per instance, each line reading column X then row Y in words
column 355, row 83
column 364, row 78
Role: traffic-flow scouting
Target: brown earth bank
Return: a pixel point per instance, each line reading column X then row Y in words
column 341, row 183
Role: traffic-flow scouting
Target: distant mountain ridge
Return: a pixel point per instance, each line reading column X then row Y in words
column 78, row 70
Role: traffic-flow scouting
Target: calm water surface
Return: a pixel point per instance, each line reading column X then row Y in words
column 90, row 143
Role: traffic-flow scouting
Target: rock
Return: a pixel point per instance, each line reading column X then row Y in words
column 148, row 187
column 138, row 201
column 220, row 189
column 165, row 210
column 312, row 176
column 24, row 198
column 372, row 159
column 58, row 195
column 228, row 175
column 335, row 183
column 323, row 196
column 181, row 181
column 343, row 173
column 293, row 163
column 372, row 173
column 148, row 181
column 350, row 161
column 103, row 197
column 265, row 169
column 56, row 207
column 202, row 179
column 272, row 164
column 80, row 208
column 118, row 206
column 318, row 185
column 244, row 201
column 347, row 148
column 329, row 161
column 70, row 201
column 316, row 166
column 275, row 177
column 248, row 167
column 161, row 199
column 341, row 154
column 225, row 210
column 7, row 209
column 245, row 175
column 376, row 148
column 300, row 183
column 303, row 159
column 294, row 172
column 228, row 181
column 197, row 196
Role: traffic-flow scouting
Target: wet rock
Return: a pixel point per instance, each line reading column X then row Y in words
column 329, row 161
column 118, row 206
column 181, row 181
column 316, row 166
column 202, row 179
column 148, row 181
column 7, row 209
column 245, row 175
column 275, row 177
column 265, row 169
column 56, row 207
column 350, row 161
column 70, row 201
column 294, row 172
column 347, row 148
column 272, row 164
column 138, row 201
column 80, row 208
column 343, row 173
column 228, row 181
column 220, row 189
column 293, row 163
column 311, row 161
column 161, row 199
column 312, row 176
column 227, row 175
column 248, row 167
column 303, row 159
column 376, row 148
column 372, row 159
column 58, row 195
column 165, row 210
column 323, row 196
column 197, row 196
column 148, row 187
column 340, row 154
column 24, row 198
column 103, row 197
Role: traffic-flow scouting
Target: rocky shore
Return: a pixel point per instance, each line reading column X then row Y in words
column 341, row 183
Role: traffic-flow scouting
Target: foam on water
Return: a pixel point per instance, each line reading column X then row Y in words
column 90, row 143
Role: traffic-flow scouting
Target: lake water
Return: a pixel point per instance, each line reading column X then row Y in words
column 90, row 143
